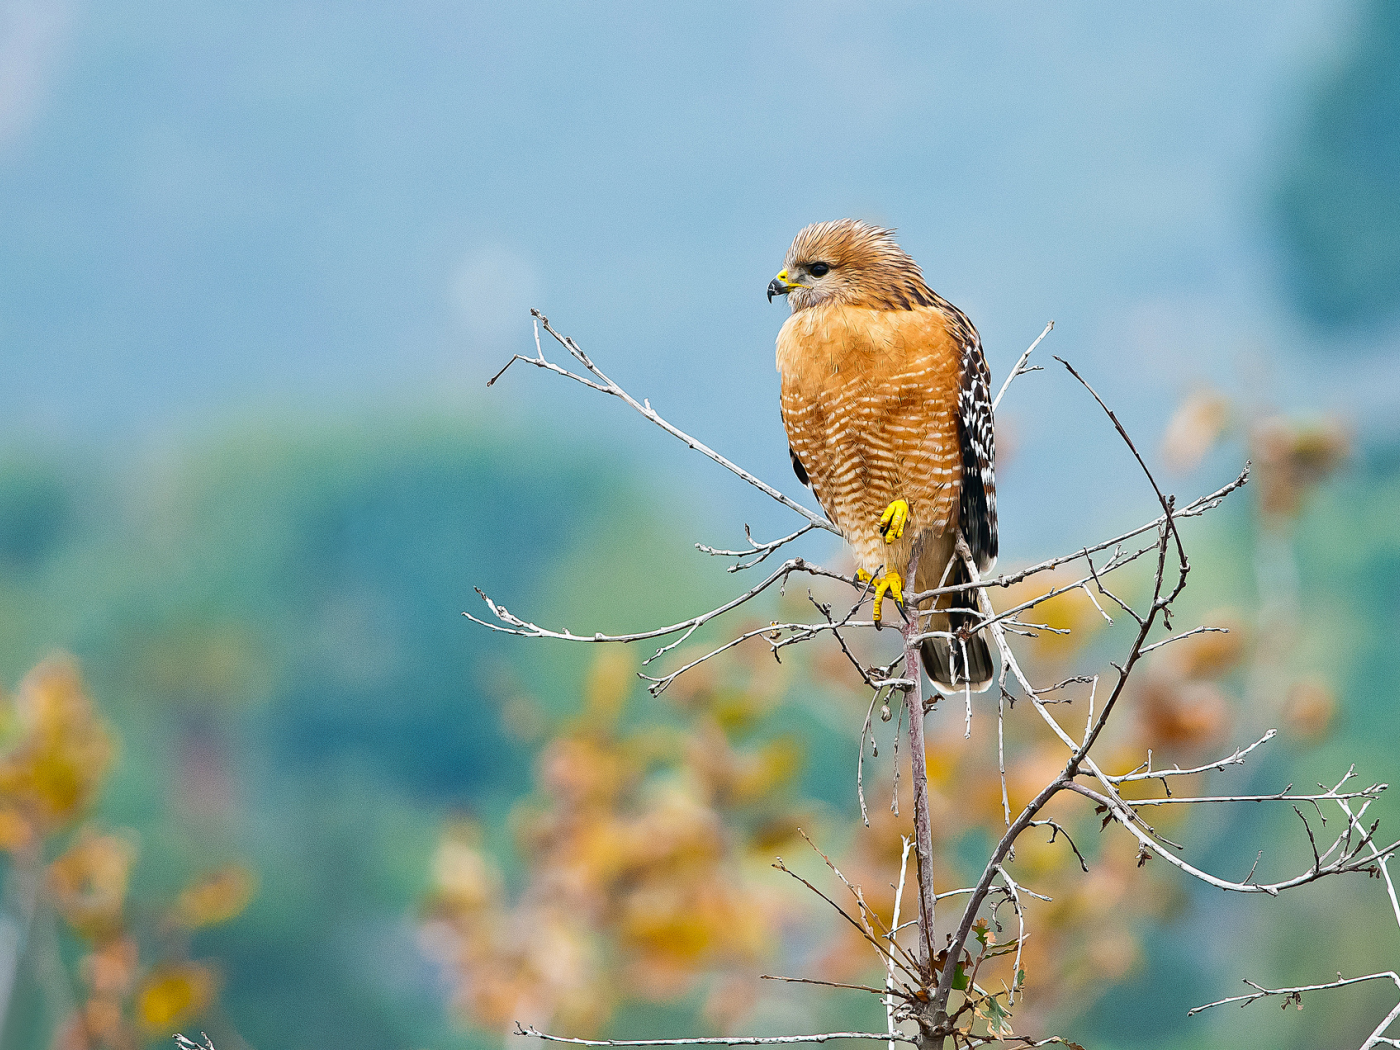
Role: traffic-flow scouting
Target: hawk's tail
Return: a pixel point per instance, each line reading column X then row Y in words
column 955, row 665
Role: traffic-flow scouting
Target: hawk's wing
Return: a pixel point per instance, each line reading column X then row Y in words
column 798, row 468
column 977, row 515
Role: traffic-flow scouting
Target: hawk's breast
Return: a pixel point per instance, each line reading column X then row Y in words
column 870, row 402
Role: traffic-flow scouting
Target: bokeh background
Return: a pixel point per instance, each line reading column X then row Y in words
column 257, row 262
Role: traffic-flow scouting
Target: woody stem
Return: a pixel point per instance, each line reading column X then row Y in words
column 923, row 832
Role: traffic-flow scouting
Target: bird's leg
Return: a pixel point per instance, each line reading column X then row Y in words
column 892, row 583
column 892, row 521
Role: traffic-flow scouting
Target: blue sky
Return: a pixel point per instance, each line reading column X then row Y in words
column 212, row 213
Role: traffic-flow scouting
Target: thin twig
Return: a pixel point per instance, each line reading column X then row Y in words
column 1019, row 368
column 1261, row 992
column 723, row 1040
column 607, row 386
column 894, row 932
column 762, row 550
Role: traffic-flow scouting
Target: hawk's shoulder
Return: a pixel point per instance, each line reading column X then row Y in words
column 977, row 435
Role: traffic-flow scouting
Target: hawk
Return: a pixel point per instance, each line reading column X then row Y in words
column 889, row 419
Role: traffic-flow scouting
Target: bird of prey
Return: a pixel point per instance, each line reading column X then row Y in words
column 889, row 420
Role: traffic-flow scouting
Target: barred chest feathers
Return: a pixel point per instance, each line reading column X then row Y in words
column 870, row 403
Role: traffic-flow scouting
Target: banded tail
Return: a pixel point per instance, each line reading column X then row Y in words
column 952, row 665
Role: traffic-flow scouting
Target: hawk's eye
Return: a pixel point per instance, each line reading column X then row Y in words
column 819, row 269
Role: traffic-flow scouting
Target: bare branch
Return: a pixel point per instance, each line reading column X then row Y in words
column 1019, row 368
column 730, row 1040
column 1056, row 829
column 605, row 385
column 1381, row 862
column 1261, row 992
column 1353, row 849
column 832, row 984
column 760, row 549
column 525, row 629
column 918, row 766
column 1349, row 862
column 1195, row 508
column 1371, row 793
column 1013, row 893
column 887, row 954
column 1235, row 759
column 1184, row 634
column 1166, row 501
column 894, row 932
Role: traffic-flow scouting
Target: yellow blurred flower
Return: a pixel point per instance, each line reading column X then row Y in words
column 53, row 770
column 174, row 994
column 463, row 878
column 610, row 681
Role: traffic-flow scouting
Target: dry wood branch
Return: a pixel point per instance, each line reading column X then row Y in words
column 894, row 932
column 1348, row 862
column 918, row 764
column 525, row 629
column 731, row 1040
column 1329, row 796
column 1013, row 893
column 1235, row 759
column 1057, row 830
column 1195, row 508
column 1353, row 848
column 761, row 550
column 1019, row 368
column 832, row 984
column 1184, row 634
column 1380, row 861
column 1167, row 502
column 606, row 386
column 894, row 954
column 1295, row 995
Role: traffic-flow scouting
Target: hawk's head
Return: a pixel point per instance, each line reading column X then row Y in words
column 850, row 262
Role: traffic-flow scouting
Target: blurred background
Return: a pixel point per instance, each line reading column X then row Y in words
column 256, row 265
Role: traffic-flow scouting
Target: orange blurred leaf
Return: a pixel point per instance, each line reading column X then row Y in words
column 88, row 883
column 1194, row 429
column 217, row 897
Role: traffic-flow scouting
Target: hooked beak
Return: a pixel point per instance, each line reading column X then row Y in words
column 780, row 285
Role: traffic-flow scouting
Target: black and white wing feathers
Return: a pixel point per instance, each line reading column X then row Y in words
column 978, row 511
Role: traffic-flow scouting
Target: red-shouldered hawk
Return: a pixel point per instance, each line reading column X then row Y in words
column 889, row 419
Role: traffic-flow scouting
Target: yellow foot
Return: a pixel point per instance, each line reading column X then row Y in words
column 862, row 576
column 894, row 585
column 892, row 521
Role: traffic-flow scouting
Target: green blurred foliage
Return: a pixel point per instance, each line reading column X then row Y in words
column 1342, row 630
column 1338, row 202
column 273, row 622
column 273, row 625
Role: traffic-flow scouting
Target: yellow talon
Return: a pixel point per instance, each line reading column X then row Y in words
column 894, row 585
column 862, row 576
column 892, row 521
